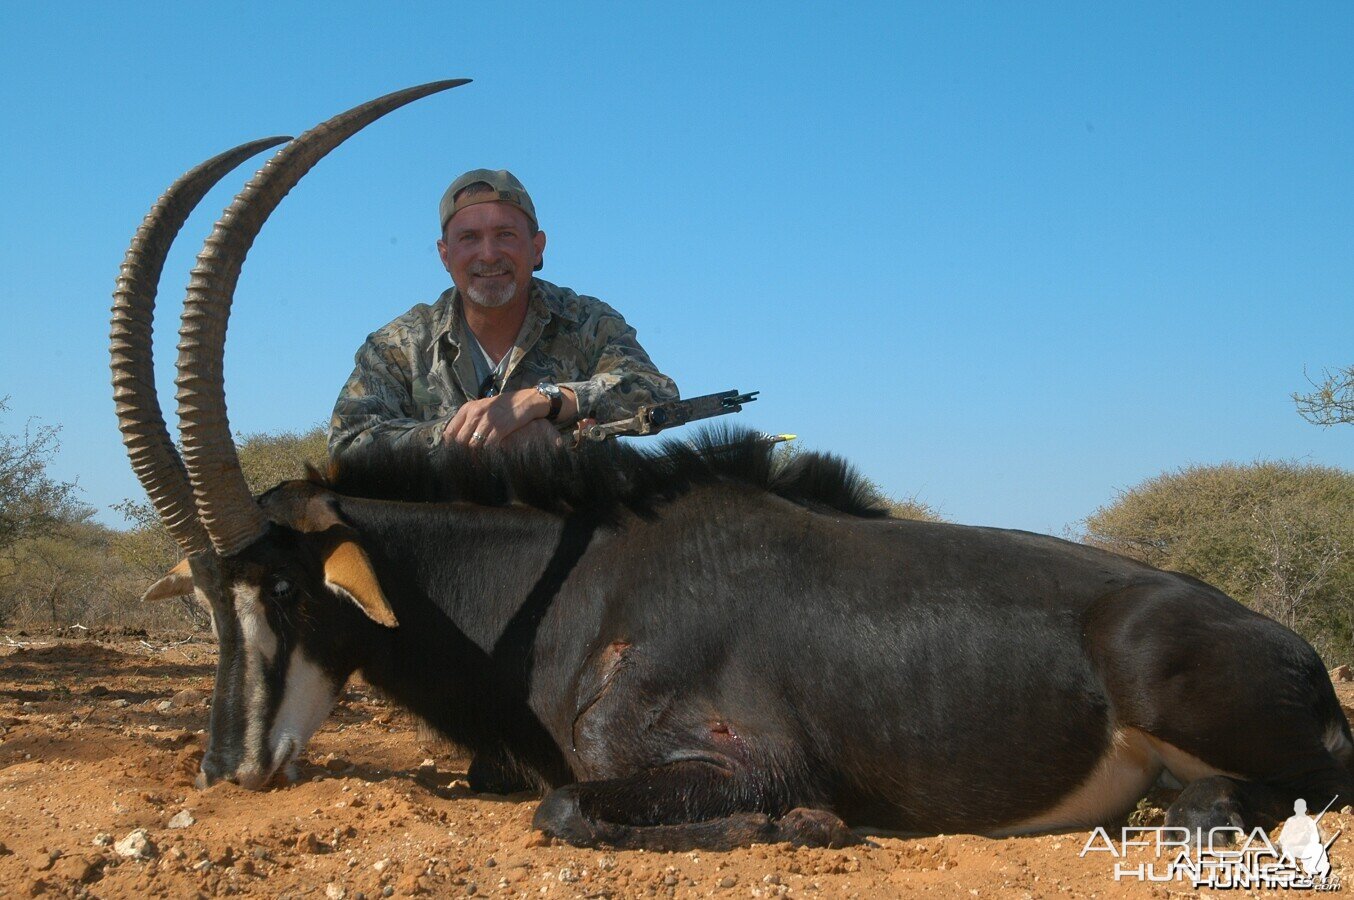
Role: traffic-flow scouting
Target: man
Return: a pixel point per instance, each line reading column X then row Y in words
column 502, row 358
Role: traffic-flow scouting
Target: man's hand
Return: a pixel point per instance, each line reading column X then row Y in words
column 493, row 420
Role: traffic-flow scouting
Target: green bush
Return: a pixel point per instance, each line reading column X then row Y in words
column 71, row 575
column 1277, row 536
column 268, row 458
column 32, row 503
column 1331, row 401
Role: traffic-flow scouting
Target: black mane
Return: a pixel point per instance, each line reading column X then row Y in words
column 602, row 478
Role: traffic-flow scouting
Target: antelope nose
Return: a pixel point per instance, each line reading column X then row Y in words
column 211, row 771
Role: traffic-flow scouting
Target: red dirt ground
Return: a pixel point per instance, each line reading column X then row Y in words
column 99, row 738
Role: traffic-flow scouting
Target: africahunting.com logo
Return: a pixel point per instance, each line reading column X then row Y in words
column 1224, row 857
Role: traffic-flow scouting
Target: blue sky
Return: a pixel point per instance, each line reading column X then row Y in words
column 1010, row 258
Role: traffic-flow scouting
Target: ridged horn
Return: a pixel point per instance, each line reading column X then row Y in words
column 154, row 459
column 228, row 511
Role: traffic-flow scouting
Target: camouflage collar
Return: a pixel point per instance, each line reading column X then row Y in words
column 551, row 297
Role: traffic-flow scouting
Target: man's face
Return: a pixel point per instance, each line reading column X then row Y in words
column 490, row 252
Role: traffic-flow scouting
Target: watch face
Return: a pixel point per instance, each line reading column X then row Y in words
column 556, row 397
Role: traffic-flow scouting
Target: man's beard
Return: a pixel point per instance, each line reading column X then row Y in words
column 490, row 295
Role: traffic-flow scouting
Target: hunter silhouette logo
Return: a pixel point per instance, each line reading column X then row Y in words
column 1300, row 841
column 1224, row 857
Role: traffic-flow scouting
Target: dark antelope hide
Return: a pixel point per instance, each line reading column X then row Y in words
column 704, row 646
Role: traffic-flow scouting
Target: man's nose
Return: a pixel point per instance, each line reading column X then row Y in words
column 488, row 252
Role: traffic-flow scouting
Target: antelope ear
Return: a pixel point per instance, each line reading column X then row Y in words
column 177, row 582
column 347, row 571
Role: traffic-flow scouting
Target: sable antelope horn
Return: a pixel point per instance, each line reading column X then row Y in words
column 228, row 511
column 154, row 459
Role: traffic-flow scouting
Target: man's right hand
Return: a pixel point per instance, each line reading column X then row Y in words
column 490, row 421
column 493, row 420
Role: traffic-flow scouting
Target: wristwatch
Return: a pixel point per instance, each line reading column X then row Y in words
column 552, row 393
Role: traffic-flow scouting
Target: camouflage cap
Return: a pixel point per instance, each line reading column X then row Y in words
column 503, row 185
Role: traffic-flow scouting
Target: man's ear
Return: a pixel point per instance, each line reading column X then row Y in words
column 444, row 252
column 177, row 582
column 347, row 571
column 538, row 241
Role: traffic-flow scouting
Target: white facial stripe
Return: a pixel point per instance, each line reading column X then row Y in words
column 258, row 635
column 260, row 648
column 308, row 694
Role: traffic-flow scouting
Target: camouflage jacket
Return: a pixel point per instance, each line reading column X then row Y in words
column 412, row 375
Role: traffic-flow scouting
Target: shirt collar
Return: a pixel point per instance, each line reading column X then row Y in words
column 550, row 299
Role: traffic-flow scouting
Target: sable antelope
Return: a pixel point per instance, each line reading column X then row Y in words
column 697, row 647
